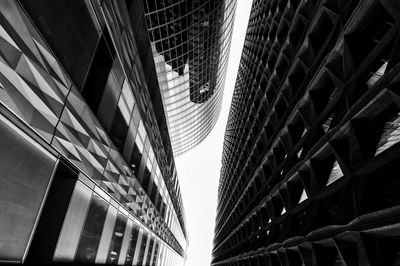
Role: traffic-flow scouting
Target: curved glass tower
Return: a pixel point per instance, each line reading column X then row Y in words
column 190, row 44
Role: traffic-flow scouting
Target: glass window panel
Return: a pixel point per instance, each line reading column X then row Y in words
column 142, row 249
column 150, row 251
column 126, row 241
column 108, row 105
column 92, row 230
column 163, row 209
column 151, row 154
column 159, row 202
column 149, row 164
column 123, row 107
column 136, row 116
column 154, row 193
column 73, row 223
column 118, row 71
column 158, row 170
column 106, row 235
column 132, row 244
column 129, row 143
column 156, row 179
column 116, row 240
column 155, row 253
column 139, row 143
column 136, row 159
column 118, row 131
column 142, row 131
column 21, row 191
column 127, row 93
column 99, row 77
column 69, row 30
column 160, row 255
column 146, row 179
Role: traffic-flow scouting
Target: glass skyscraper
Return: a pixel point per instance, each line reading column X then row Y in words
column 87, row 173
column 190, row 42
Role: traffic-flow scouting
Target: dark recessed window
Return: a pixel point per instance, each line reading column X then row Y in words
column 68, row 28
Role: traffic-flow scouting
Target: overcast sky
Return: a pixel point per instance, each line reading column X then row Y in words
column 199, row 169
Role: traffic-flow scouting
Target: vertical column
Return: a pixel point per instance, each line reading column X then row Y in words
column 73, row 223
column 106, row 235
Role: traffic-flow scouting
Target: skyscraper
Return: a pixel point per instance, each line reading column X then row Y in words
column 311, row 155
column 190, row 43
column 87, row 172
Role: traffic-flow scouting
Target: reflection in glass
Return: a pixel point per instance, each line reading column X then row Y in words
column 92, row 230
column 108, row 105
column 190, row 44
column 149, row 251
column 98, row 77
column 142, row 249
column 142, row 131
column 118, row 131
column 116, row 240
column 155, row 254
column 132, row 245
column 136, row 158
column 146, row 179
column 69, row 30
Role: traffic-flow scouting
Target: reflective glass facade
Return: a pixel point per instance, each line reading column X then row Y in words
column 86, row 169
column 311, row 151
column 190, row 41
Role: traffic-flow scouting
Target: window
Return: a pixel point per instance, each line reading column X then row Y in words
column 116, row 240
column 70, row 31
column 91, row 234
column 142, row 249
column 99, row 74
column 132, row 244
column 118, row 131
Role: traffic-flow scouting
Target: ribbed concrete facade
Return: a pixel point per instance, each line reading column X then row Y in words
column 311, row 155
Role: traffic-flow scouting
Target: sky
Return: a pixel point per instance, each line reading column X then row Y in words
column 199, row 169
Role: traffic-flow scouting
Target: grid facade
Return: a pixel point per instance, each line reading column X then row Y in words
column 87, row 169
column 311, row 155
column 190, row 41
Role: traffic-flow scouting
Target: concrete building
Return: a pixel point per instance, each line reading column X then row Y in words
column 311, row 155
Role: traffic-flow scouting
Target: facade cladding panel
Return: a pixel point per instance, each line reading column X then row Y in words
column 86, row 167
column 190, row 41
column 311, row 155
